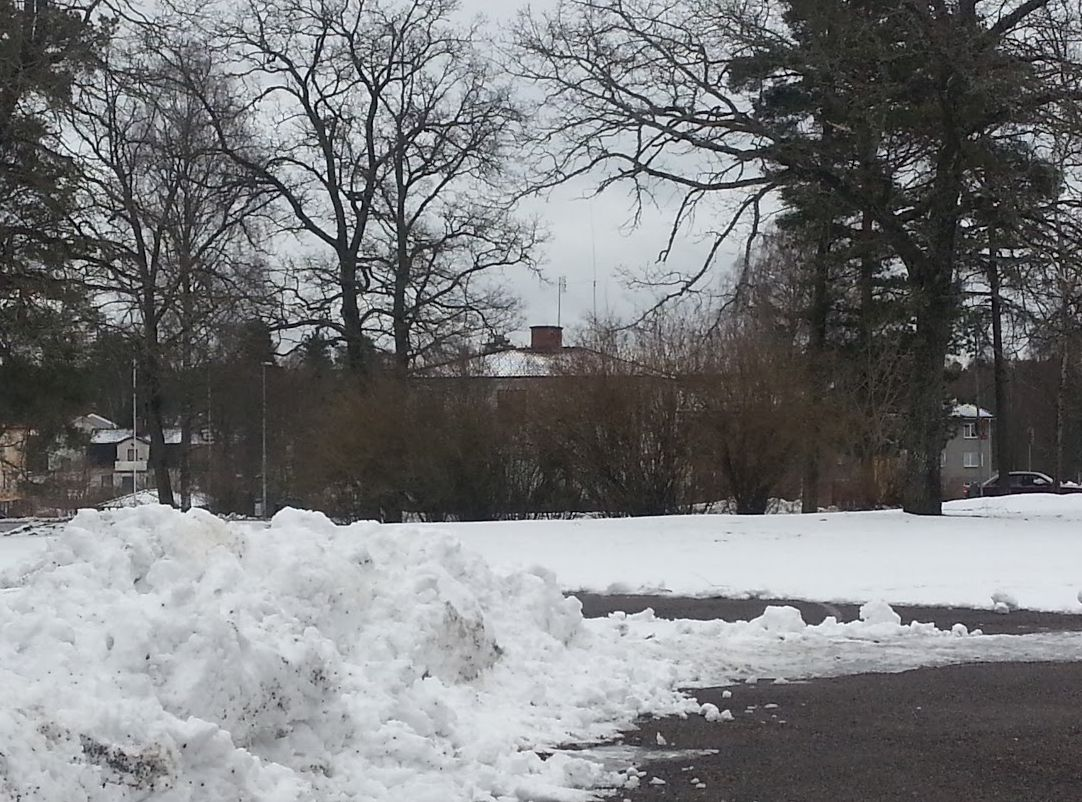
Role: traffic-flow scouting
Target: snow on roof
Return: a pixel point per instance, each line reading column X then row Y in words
column 510, row 363
column 93, row 421
column 516, row 363
column 144, row 497
column 970, row 411
column 520, row 362
column 110, row 436
column 172, row 437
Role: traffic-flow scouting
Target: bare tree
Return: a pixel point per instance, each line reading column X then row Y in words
column 163, row 214
column 445, row 207
column 390, row 140
column 750, row 97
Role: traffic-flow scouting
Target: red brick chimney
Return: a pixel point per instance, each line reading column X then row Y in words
column 546, row 338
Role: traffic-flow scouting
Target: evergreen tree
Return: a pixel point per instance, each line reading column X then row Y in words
column 43, row 47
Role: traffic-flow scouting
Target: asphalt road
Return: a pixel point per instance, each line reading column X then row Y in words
column 1004, row 732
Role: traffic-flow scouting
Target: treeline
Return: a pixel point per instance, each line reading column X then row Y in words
column 343, row 170
column 700, row 410
column 183, row 187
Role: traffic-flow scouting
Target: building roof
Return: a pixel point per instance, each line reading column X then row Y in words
column 144, row 497
column 110, row 436
column 523, row 363
column 92, row 422
column 970, row 411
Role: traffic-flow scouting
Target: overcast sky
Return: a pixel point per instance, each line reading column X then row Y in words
column 588, row 232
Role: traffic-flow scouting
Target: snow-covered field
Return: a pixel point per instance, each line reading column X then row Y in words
column 147, row 654
column 1029, row 547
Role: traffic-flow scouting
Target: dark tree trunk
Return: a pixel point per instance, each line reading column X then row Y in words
column 400, row 322
column 818, row 313
column 185, row 453
column 352, row 331
column 1061, row 393
column 867, row 446
column 934, row 303
column 1000, row 437
column 926, row 429
column 186, row 401
column 156, row 425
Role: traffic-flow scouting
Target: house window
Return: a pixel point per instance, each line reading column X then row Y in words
column 132, row 456
column 943, row 458
column 972, row 459
column 969, row 432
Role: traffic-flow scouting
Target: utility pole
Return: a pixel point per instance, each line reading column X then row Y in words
column 134, row 432
column 593, row 258
column 977, row 397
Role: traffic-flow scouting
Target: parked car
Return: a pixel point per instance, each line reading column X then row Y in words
column 1021, row 482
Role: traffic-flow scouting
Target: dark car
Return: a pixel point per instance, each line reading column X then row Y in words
column 1020, row 482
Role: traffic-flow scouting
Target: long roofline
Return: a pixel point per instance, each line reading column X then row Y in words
column 567, row 350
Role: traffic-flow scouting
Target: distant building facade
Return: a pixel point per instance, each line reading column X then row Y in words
column 13, row 468
column 967, row 456
column 104, row 461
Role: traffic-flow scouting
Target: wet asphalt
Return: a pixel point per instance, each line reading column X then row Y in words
column 1003, row 732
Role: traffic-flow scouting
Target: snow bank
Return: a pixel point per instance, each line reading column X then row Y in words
column 154, row 651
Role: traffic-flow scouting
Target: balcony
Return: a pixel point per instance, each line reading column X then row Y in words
column 124, row 466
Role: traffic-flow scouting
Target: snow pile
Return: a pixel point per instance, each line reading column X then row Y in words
column 151, row 651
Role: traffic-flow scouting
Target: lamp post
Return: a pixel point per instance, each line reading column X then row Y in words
column 263, row 503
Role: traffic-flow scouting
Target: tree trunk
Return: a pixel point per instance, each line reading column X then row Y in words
column 926, row 429
column 867, row 444
column 1000, row 440
column 933, row 297
column 1061, row 395
column 187, row 403
column 156, row 425
column 400, row 323
column 818, row 312
column 352, row 332
column 186, row 461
